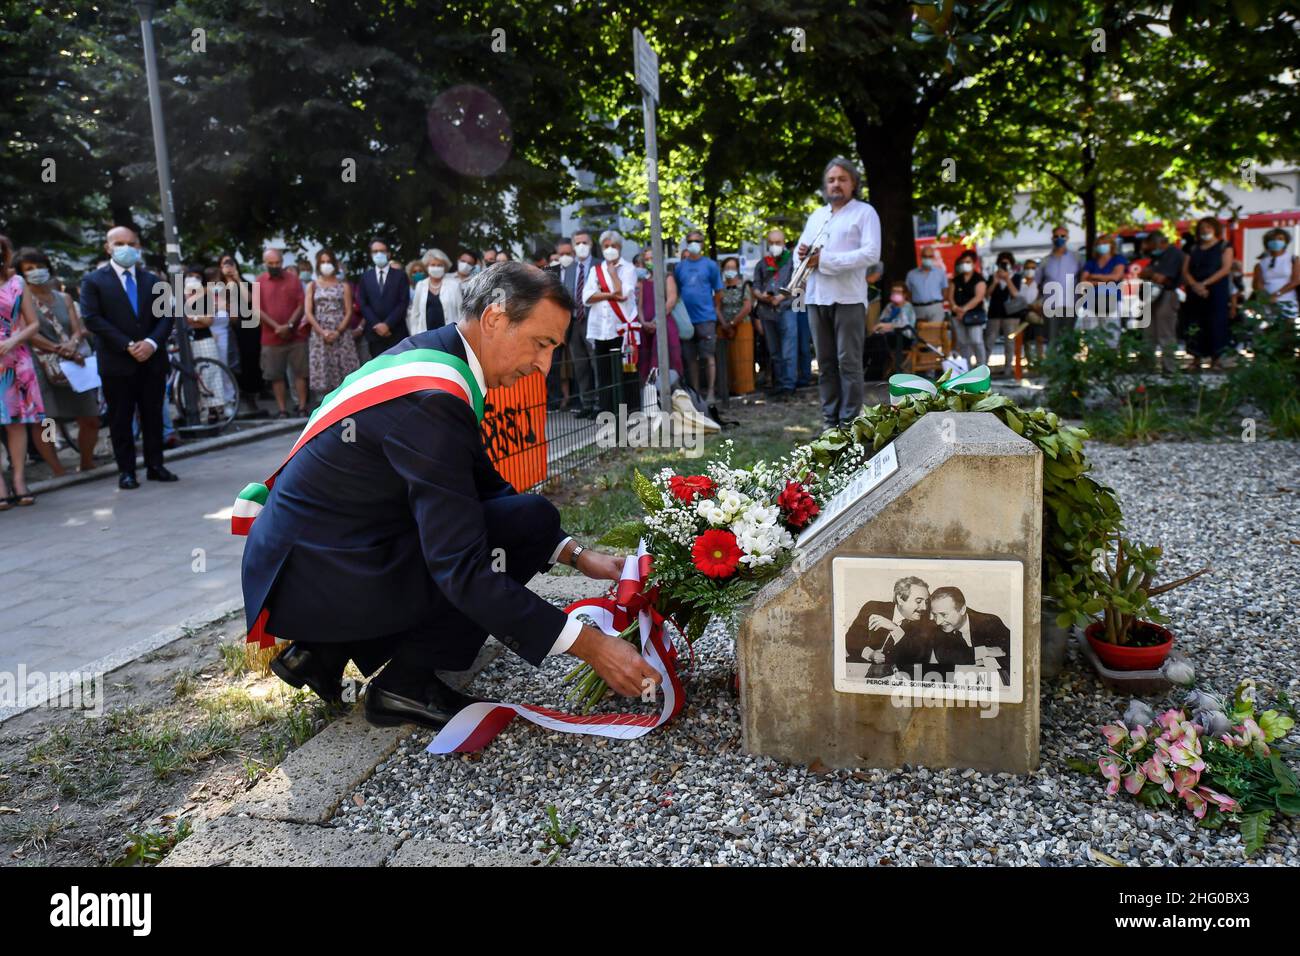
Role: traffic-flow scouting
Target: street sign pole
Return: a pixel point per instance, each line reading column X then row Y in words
column 189, row 383
column 647, row 76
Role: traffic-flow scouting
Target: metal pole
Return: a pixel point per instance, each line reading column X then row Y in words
column 659, row 273
column 189, row 383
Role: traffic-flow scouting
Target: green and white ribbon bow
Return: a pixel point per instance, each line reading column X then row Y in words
column 903, row 385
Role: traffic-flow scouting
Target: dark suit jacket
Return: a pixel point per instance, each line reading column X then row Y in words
column 378, row 535
column 987, row 630
column 388, row 306
column 858, row 637
column 107, row 312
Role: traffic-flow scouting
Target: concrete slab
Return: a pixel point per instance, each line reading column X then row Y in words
column 247, row 841
column 313, row 780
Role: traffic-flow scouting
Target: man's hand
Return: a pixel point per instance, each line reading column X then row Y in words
column 618, row 663
column 803, row 249
column 382, row 330
column 283, row 331
column 602, row 567
column 815, row 261
column 140, row 351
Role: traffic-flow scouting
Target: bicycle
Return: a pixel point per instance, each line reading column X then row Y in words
column 218, row 393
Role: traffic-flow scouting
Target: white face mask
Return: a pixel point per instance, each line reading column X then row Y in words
column 611, row 253
column 965, row 266
column 583, row 249
column 190, row 284
column 464, row 268
column 437, row 272
column 1029, row 273
column 566, row 260
column 326, row 268
column 776, row 248
column 694, row 248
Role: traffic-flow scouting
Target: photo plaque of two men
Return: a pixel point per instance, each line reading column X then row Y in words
column 956, row 624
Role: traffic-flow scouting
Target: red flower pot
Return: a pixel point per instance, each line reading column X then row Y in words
column 1122, row 657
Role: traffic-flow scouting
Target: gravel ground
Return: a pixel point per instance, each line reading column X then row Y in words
column 687, row 795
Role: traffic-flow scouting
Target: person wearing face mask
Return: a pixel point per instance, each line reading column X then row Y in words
column 1006, row 310
column 237, row 299
column 737, row 303
column 1277, row 275
column 1206, row 274
column 331, row 350
column 1101, row 275
column 383, row 295
column 575, row 269
column 650, row 327
column 279, row 306
column 613, row 327
column 21, row 404
column 1057, row 275
column 1035, row 335
column 60, row 337
column 466, row 265
column 893, row 334
column 1164, row 272
column 699, row 287
column 436, row 296
column 775, row 310
column 927, row 286
column 199, row 319
column 968, row 288
column 129, row 309
column 836, row 292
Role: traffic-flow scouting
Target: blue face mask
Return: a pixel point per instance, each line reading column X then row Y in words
column 380, row 259
column 420, row 276
column 694, row 248
column 126, row 256
column 1103, row 248
column 1276, row 245
column 37, row 276
column 1059, row 241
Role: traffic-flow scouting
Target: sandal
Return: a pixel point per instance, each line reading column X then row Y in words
column 6, row 503
column 24, row 498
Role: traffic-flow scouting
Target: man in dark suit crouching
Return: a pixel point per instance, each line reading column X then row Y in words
column 390, row 536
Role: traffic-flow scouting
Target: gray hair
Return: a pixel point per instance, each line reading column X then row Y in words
column 435, row 253
column 903, row 587
column 516, row 286
column 848, row 166
column 611, row 234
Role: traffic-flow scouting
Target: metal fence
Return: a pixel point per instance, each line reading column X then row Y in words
column 541, row 429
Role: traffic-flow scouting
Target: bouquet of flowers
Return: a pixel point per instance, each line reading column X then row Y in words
column 1217, row 763
column 716, row 538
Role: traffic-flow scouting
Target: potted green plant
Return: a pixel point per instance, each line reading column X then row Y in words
column 1116, row 585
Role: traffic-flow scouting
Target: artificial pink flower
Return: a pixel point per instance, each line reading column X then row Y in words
column 1114, row 734
column 1195, row 802
column 1138, row 738
column 1110, row 769
column 1133, row 781
column 1170, row 720
column 1225, row 802
column 1155, row 772
column 1185, row 780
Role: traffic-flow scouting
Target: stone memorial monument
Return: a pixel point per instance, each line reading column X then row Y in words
column 907, row 629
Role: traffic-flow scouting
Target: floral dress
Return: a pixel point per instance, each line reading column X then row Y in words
column 329, row 364
column 20, row 391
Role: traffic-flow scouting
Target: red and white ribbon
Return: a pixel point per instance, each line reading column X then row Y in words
column 473, row 727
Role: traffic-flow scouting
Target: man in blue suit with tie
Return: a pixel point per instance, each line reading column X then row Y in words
column 389, row 536
column 382, row 296
column 129, row 310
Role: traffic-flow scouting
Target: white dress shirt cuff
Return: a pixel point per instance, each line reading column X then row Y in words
column 153, row 343
column 555, row 556
column 566, row 638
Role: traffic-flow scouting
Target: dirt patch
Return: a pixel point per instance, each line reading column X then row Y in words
column 185, row 731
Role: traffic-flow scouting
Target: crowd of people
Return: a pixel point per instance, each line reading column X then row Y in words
column 297, row 331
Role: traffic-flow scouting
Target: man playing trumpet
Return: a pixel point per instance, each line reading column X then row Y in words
column 836, row 290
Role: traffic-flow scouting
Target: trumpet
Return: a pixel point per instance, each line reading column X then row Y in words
column 799, row 277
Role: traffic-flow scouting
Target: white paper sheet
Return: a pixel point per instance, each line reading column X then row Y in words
column 82, row 378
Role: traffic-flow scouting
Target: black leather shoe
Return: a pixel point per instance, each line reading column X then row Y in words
column 299, row 665
column 433, row 709
column 127, row 482
column 161, row 474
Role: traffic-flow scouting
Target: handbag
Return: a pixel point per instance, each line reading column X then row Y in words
column 975, row 317
column 685, row 330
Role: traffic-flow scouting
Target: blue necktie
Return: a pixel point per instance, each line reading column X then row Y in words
column 129, row 281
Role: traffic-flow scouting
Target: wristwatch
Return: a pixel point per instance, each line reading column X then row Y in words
column 573, row 555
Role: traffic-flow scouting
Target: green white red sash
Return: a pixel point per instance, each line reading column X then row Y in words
column 379, row 380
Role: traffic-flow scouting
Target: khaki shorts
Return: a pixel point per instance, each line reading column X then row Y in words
column 705, row 339
column 290, row 357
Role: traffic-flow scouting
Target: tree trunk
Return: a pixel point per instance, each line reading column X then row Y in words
column 711, row 224
column 887, row 160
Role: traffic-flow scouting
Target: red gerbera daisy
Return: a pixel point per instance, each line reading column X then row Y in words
column 689, row 487
column 716, row 553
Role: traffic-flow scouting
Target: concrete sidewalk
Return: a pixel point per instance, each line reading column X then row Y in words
column 92, row 571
